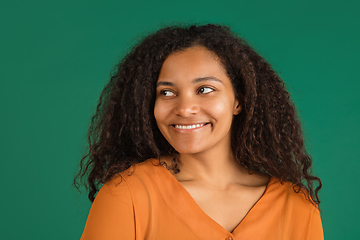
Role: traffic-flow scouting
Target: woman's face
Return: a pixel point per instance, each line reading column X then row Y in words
column 195, row 102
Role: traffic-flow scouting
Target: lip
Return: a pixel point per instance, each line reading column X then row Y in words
column 189, row 127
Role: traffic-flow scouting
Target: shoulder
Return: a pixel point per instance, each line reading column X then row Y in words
column 118, row 197
column 292, row 197
column 112, row 214
column 295, row 212
column 147, row 169
column 138, row 176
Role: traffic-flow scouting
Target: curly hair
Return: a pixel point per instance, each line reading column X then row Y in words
column 266, row 135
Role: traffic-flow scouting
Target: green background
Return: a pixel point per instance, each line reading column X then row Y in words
column 57, row 55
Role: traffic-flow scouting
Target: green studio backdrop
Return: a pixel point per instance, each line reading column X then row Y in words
column 57, row 55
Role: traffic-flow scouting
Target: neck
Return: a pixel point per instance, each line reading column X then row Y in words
column 212, row 168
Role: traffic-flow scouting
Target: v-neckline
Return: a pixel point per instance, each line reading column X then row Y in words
column 198, row 210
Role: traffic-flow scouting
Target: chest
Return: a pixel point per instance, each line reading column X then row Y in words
column 226, row 207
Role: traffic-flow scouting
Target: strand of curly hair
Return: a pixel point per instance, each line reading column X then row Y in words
column 266, row 135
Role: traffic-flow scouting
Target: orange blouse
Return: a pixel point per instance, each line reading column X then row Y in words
column 147, row 202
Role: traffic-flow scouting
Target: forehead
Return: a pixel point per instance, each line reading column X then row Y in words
column 194, row 62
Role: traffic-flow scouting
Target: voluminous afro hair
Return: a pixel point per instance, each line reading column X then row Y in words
column 266, row 135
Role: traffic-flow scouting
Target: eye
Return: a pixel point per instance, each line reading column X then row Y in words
column 167, row 93
column 204, row 90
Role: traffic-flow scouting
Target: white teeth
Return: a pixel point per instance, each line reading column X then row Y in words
column 188, row 126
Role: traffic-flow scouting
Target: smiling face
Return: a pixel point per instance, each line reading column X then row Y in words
column 195, row 102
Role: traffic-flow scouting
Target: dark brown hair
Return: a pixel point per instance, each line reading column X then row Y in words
column 266, row 135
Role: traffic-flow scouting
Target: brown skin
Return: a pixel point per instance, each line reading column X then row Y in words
column 194, row 89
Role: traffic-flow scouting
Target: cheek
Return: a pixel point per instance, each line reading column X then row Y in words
column 160, row 112
column 157, row 111
column 220, row 108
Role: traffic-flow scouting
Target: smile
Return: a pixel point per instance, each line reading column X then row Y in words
column 190, row 126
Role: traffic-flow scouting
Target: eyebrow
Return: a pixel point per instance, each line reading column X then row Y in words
column 197, row 80
column 206, row 79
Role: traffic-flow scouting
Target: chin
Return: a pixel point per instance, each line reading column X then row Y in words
column 188, row 149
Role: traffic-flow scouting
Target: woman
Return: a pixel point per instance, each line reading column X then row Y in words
column 195, row 137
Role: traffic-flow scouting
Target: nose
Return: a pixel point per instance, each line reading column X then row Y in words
column 186, row 106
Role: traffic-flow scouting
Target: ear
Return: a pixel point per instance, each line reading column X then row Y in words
column 237, row 107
